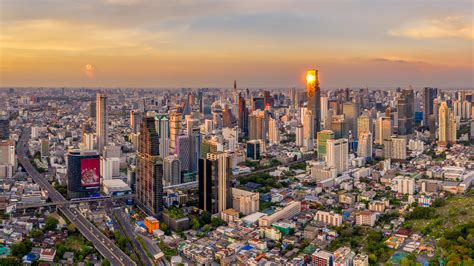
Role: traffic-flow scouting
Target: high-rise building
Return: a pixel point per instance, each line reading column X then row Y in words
column 258, row 103
column 92, row 109
column 405, row 185
column 175, row 129
column 183, row 151
column 314, row 98
column 253, row 149
column 149, row 177
column 243, row 116
column 44, row 147
column 171, row 170
column 429, row 94
column 4, row 128
column 273, row 131
column 364, row 124
column 364, row 148
column 257, row 125
column 195, row 149
column 8, row 162
column 299, row 138
column 406, row 112
column 383, row 129
column 395, row 147
column 101, row 121
column 447, row 126
column 337, row 154
column 214, row 183
column 135, row 121
column 324, row 111
column 308, row 130
column 83, row 173
column 323, row 136
column 163, row 129
column 351, row 111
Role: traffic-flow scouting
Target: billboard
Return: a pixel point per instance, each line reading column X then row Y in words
column 90, row 175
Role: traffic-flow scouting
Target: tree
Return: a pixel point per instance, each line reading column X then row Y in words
column 205, row 217
column 216, row 222
column 195, row 225
column 105, row 262
column 35, row 233
column 50, row 223
column 21, row 249
column 9, row 261
column 71, row 228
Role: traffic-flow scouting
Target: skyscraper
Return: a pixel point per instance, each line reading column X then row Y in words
column 337, row 154
column 383, row 129
column 273, row 131
column 163, row 129
column 447, row 126
column 406, row 112
column 214, row 184
column 175, row 129
column 323, row 136
column 149, row 183
column 195, row 149
column 257, row 125
column 364, row 148
column 308, row 130
column 83, row 173
column 135, row 121
column 171, row 170
column 429, row 94
column 183, row 151
column 314, row 98
column 364, row 124
column 101, row 121
column 351, row 111
column 4, row 128
column 243, row 116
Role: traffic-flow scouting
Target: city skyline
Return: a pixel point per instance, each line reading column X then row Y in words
column 153, row 44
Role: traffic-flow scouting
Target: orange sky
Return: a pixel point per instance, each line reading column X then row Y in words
column 139, row 43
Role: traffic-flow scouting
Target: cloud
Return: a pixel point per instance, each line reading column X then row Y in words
column 447, row 27
column 396, row 60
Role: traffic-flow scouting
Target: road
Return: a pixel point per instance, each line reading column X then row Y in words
column 104, row 245
column 127, row 230
column 275, row 167
column 69, row 202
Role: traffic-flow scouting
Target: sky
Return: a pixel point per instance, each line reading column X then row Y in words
column 259, row 43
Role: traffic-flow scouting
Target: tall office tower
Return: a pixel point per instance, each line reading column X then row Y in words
column 258, row 103
column 266, row 99
column 299, row 138
column 135, row 121
column 337, row 154
column 92, row 109
column 101, row 121
column 257, row 125
column 406, row 112
column 324, row 111
column 308, row 130
column 171, row 170
column 149, row 183
column 253, row 149
column 395, row 147
column 8, row 162
column 323, row 136
column 201, row 102
column 227, row 117
column 314, row 98
column 447, row 126
column 83, row 173
column 383, row 129
column 214, row 184
column 243, row 116
column 273, row 131
column 364, row 124
column 364, row 148
column 162, row 124
column 293, row 97
column 429, row 94
column 175, row 129
column 195, row 149
column 466, row 110
column 182, row 150
column 4, row 128
column 351, row 111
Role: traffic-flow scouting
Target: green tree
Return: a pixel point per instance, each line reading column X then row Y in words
column 50, row 223
column 216, row 222
column 9, row 261
column 35, row 233
column 195, row 225
column 71, row 228
column 21, row 249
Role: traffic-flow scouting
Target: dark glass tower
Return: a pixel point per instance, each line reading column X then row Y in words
column 314, row 98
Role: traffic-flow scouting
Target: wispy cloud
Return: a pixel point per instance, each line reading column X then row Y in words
column 447, row 27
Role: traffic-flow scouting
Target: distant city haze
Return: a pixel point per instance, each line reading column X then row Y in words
column 139, row 43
